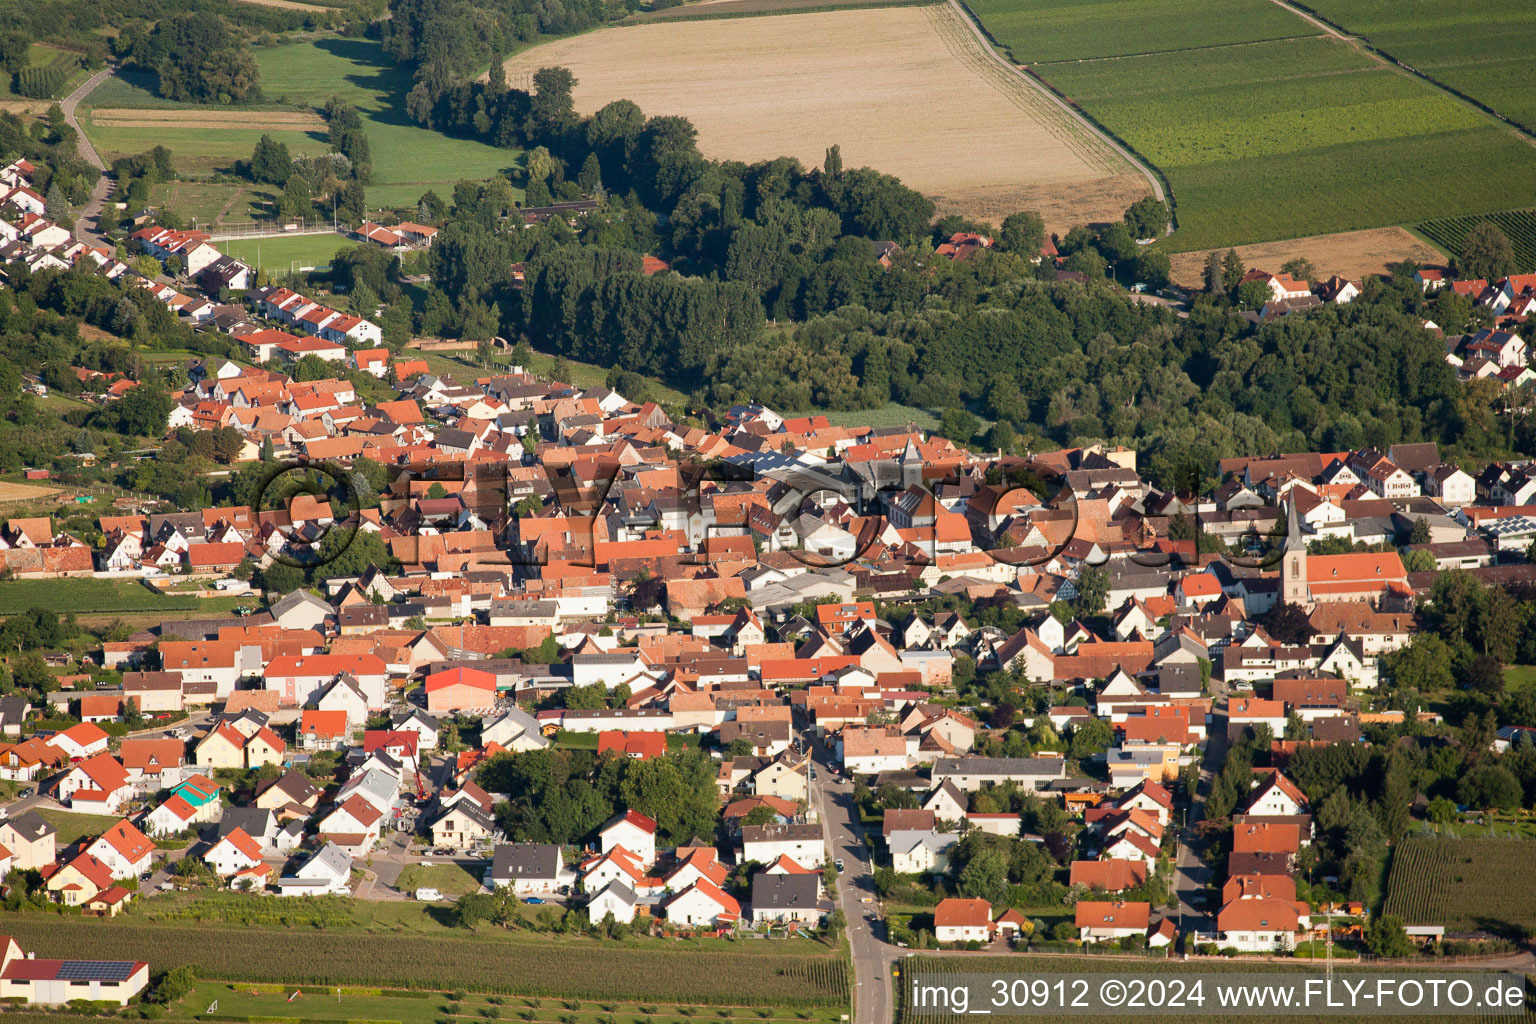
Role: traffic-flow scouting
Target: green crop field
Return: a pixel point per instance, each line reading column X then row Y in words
column 282, row 253
column 1519, row 225
column 1463, row 884
column 1480, row 48
column 407, row 160
column 82, row 595
column 1290, row 138
column 1047, row 30
column 524, row 964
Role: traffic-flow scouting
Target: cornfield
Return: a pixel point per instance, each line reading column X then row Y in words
column 1464, row 884
column 322, row 957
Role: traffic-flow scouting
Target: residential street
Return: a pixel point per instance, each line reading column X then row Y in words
column 1191, row 874
column 872, row 957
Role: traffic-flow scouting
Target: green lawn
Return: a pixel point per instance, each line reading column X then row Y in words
column 892, row 415
column 1519, row 677
column 281, row 254
column 407, row 160
column 449, row 879
column 72, row 826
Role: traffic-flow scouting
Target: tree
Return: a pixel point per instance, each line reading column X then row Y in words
column 1022, row 233
column 1092, row 737
column 1300, row 268
column 958, row 424
column 1153, row 268
column 1232, row 271
column 1424, row 665
column 1287, row 623
column 1253, row 295
column 296, row 200
column 1386, row 937
column 1092, row 587
column 1485, row 675
column 1485, row 252
column 1147, row 217
column 351, row 203
column 270, row 162
column 1215, row 282
column 1490, row 787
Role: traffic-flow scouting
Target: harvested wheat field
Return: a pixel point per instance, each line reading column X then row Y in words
column 23, row 492
column 276, row 120
column 904, row 90
column 1352, row 254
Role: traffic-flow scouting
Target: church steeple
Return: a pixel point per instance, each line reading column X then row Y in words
column 1293, row 561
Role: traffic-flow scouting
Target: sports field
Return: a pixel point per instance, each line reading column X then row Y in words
column 1481, row 48
column 282, row 254
column 127, row 118
column 905, row 90
column 1292, row 138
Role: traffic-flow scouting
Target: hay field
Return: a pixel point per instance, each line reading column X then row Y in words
column 907, row 91
column 1351, row 254
column 276, row 120
column 23, row 492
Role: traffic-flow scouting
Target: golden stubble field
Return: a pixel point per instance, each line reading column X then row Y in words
column 1351, row 254
column 904, row 90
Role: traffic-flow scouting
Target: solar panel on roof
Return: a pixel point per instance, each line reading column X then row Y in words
column 95, row 970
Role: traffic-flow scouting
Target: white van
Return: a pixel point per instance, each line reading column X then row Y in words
column 428, row 895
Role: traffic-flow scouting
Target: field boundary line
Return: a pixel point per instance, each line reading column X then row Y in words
column 730, row 15
column 1177, row 49
column 1160, row 189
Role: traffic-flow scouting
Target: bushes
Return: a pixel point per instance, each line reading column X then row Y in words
column 42, row 82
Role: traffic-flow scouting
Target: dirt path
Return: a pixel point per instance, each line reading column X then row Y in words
column 1073, row 112
column 90, row 213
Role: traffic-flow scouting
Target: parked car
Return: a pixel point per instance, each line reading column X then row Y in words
column 533, row 901
column 839, row 863
column 428, row 895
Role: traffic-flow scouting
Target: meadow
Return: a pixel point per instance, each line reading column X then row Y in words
column 297, row 78
column 86, row 595
column 524, row 964
column 1463, row 884
column 1290, row 138
column 906, row 90
column 1480, row 48
column 1033, row 31
column 1518, row 225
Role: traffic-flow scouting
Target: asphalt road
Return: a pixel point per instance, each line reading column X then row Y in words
column 88, row 220
column 1191, row 874
column 872, row 957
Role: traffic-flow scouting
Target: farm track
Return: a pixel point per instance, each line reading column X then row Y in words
column 1034, row 83
column 1072, row 132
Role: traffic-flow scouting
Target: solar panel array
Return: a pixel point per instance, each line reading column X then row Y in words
column 95, row 970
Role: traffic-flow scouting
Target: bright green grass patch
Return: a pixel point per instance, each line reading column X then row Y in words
column 83, row 595
column 74, row 826
column 450, row 879
column 1047, row 30
column 195, row 149
column 408, row 160
column 197, row 200
column 280, row 254
column 893, row 414
column 403, row 153
column 1518, row 678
